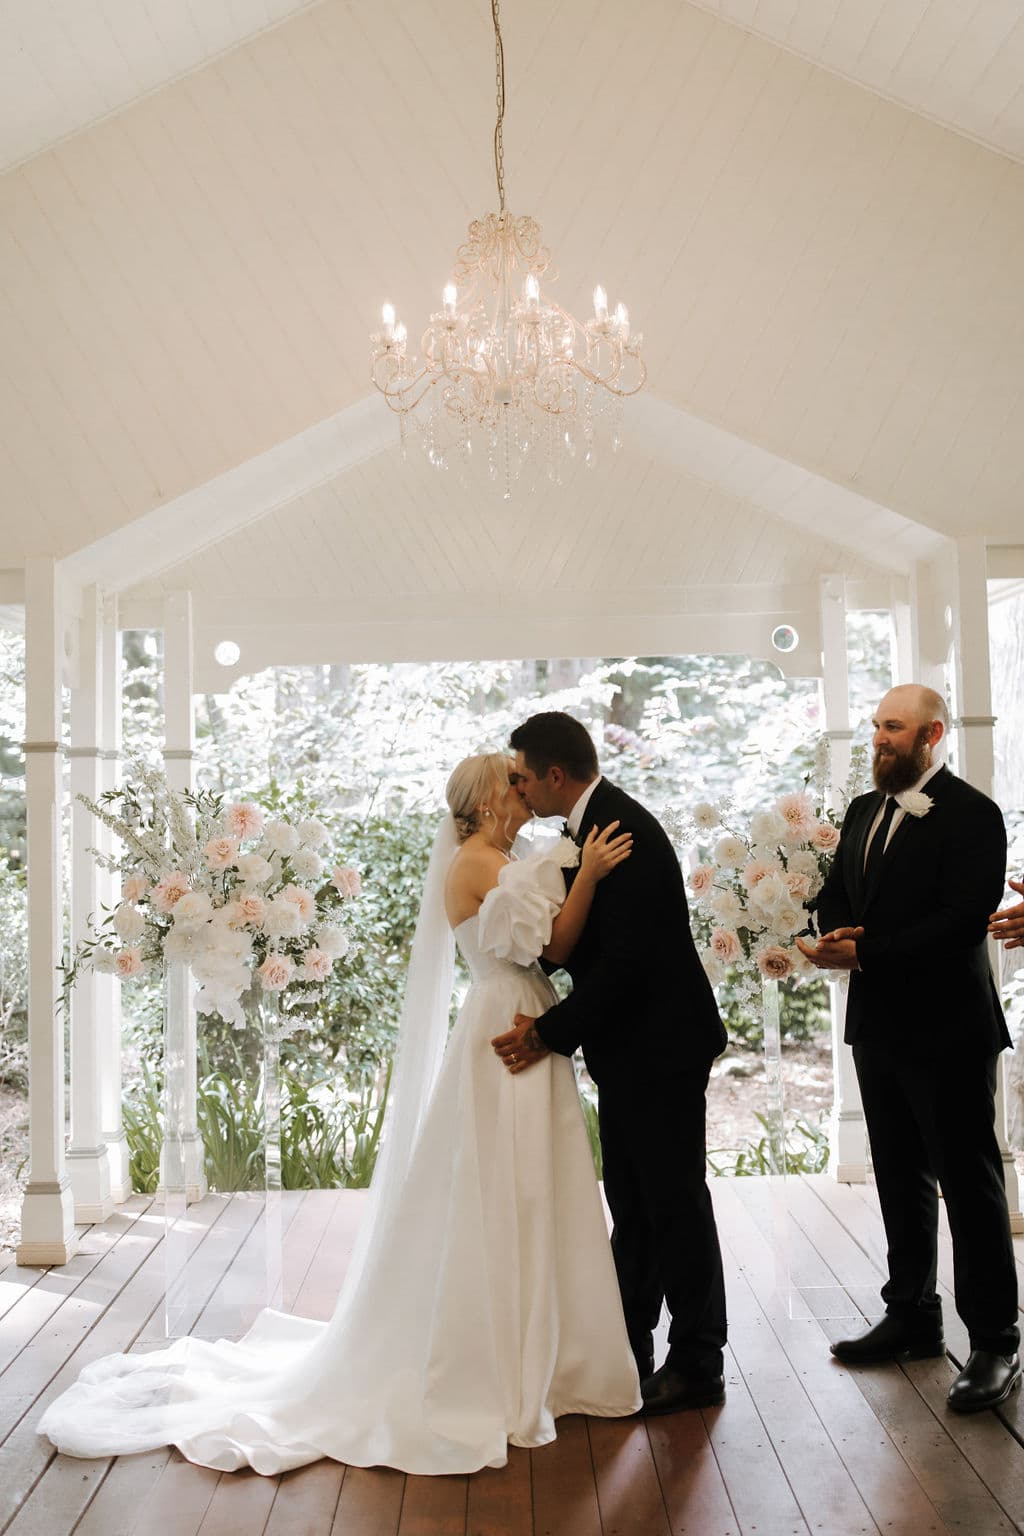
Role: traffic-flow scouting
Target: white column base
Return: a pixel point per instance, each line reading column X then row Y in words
column 1013, row 1194
column 847, row 1134
column 1009, row 1166
column 183, row 1168
column 47, row 1225
column 89, row 1173
column 118, row 1166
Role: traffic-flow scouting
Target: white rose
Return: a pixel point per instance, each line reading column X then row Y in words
column 312, row 833
column 129, row 924
column 307, row 864
column 705, row 816
column 280, row 837
column 771, row 894
column 253, row 868
column 104, row 962
column 802, row 862
column 333, row 941
column 282, row 919
column 192, row 909
column 730, row 852
column 767, row 827
column 915, row 802
column 727, row 908
column 181, row 944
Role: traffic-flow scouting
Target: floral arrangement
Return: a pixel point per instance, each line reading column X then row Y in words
column 248, row 902
column 755, row 884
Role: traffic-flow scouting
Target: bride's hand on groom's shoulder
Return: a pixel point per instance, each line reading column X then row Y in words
column 602, row 852
column 521, row 1046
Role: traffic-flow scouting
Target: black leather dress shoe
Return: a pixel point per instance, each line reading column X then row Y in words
column 985, row 1381
column 890, row 1339
column 669, row 1391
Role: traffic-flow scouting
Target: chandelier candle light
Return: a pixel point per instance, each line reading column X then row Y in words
column 500, row 362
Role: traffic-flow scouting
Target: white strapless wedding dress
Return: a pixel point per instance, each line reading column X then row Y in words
column 487, row 1306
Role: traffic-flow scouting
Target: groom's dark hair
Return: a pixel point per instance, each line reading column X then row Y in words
column 553, row 740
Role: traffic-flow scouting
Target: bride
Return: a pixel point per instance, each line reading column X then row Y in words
column 481, row 1301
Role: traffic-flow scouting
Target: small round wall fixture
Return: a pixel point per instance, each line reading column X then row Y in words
column 785, row 638
column 226, row 652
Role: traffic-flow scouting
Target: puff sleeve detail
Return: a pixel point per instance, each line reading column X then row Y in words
column 516, row 916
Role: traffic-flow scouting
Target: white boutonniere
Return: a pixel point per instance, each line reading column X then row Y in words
column 915, row 802
column 566, row 852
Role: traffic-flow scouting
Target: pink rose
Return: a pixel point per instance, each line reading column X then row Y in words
column 220, row 853
column 252, row 910
column 702, row 879
column 276, row 972
column 825, row 837
column 346, row 880
column 135, row 888
column 774, row 962
column 302, row 899
column 128, row 962
column 756, row 870
column 245, row 819
column 798, row 885
column 316, row 966
column 797, row 811
column 725, row 945
column 169, row 890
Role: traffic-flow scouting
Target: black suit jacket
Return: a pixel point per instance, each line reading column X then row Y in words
column 641, row 1004
column 925, row 971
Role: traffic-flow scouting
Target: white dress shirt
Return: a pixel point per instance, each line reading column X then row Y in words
column 899, row 812
column 574, row 820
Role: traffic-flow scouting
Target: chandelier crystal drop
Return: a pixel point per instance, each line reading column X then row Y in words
column 502, row 369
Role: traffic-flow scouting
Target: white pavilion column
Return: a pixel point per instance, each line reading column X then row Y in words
column 88, row 1168
column 108, row 988
column 847, row 1131
column 974, row 724
column 179, row 752
column 47, row 1212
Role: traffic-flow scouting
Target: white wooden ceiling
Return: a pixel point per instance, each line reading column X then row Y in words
column 68, row 63
column 824, row 276
column 960, row 62
column 385, row 562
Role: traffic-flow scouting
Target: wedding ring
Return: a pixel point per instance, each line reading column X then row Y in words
column 513, row 1058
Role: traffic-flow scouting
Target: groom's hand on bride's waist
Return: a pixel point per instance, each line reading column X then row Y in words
column 521, row 1046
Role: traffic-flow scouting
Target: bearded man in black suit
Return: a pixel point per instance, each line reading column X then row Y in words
column 905, row 908
column 645, row 1015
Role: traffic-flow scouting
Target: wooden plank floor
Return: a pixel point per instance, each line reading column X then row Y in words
column 802, row 1445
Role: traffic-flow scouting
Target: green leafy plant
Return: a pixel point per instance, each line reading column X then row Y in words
column 588, row 1098
column 142, row 1130
column 809, row 1153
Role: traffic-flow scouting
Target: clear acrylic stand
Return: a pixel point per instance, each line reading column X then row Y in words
column 222, row 1240
column 803, row 1279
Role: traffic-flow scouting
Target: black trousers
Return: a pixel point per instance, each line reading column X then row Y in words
column 664, row 1237
column 931, row 1121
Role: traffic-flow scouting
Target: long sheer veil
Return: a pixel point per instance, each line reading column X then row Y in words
column 422, row 1035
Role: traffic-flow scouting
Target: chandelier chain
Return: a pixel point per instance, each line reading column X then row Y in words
column 502, row 366
column 499, row 78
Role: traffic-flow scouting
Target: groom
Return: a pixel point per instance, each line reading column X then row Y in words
column 644, row 1013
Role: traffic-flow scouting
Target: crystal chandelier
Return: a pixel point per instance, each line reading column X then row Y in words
column 503, row 369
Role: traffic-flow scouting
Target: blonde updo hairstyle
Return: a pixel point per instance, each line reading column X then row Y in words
column 475, row 783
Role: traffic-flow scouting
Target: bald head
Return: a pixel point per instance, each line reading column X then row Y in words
column 921, row 704
column 909, row 726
